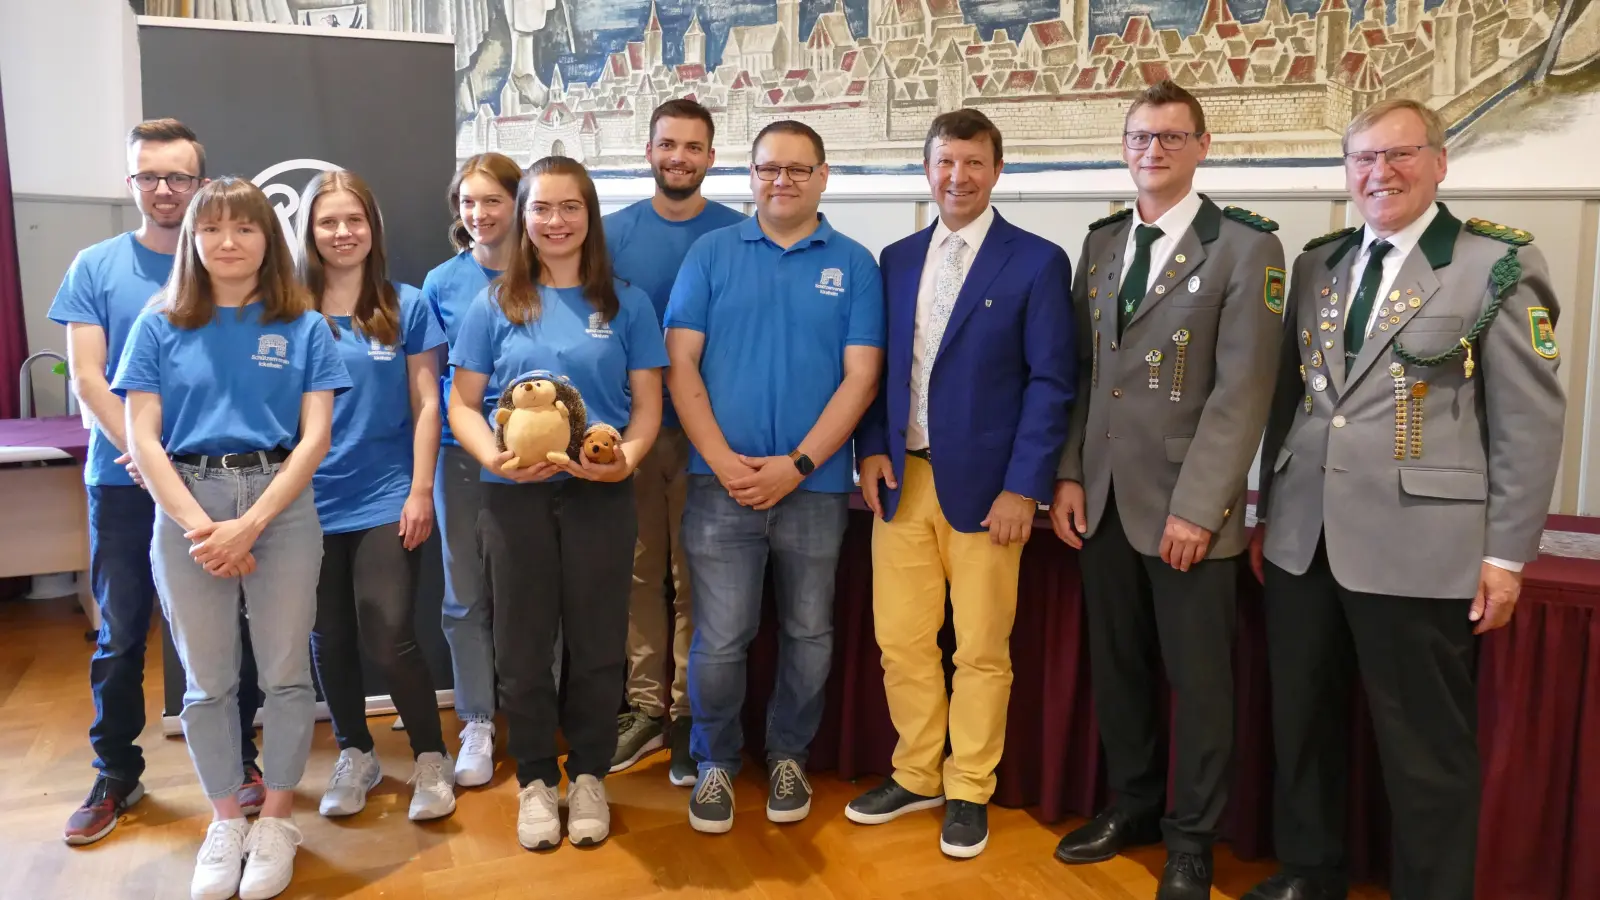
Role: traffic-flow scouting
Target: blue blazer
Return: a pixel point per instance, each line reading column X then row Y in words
column 1002, row 382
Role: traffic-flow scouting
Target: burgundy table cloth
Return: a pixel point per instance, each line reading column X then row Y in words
column 1539, row 720
column 64, row 433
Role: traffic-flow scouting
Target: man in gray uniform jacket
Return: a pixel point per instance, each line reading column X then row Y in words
column 1180, row 306
column 1408, row 466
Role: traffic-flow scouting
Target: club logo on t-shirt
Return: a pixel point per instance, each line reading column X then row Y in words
column 272, row 351
column 598, row 326
column 831, row 282
column 380, row 352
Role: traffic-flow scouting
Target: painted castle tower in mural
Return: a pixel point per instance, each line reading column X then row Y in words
column 1282, row 87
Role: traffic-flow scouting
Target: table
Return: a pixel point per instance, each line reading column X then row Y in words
column 1539, row 711
column 44, row 514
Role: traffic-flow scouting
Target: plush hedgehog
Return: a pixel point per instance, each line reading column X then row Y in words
column 540, row 416
column 601, row 444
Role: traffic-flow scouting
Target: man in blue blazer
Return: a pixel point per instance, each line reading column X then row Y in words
column 965, row 435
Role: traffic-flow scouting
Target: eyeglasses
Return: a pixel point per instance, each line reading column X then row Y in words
column 1170, row 140
column 177, row 182
column 1394, row 156
column 797, row 174
column 570, row 211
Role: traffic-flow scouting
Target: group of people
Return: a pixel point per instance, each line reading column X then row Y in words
column 275, row 434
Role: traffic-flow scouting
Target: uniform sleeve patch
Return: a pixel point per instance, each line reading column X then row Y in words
column 1542, row 332
column 1274, row 291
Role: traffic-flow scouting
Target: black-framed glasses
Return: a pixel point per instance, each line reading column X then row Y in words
column 177, row 182
column 1170, row 140
column 797, row 174
column 1394, row 156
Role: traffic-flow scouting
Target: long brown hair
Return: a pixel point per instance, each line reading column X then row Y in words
column 188, row 299
column 517, row 290
column 494, row 165
column 377, row 312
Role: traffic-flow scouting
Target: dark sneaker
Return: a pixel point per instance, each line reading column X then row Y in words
column 637, row 735
column 101, row 810
column 253, row 792
column 711, row 807
column 887, row 802
column 788, row 792
column 966, row 829
column 683, row 771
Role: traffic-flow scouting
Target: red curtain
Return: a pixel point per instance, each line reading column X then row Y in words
column 13, row 324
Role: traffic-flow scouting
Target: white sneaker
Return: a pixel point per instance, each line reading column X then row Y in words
column 588, row 815
column 475, row 765
column 221, row 858
column 270, row 858
column 354, row 775
column 538, row 822
column 433, row 792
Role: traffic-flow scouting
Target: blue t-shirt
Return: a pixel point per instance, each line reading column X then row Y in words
column 364, row 480
column 567, row 339
column 108, row 285
column 234, row 384
column 449, row 289
column 776, row 323
column 647, row 251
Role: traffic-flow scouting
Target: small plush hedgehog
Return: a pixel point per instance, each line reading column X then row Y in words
column 566, row 400
column 601, row 444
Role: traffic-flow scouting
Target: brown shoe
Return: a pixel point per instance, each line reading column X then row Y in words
column 101, row 810
column 253, row 792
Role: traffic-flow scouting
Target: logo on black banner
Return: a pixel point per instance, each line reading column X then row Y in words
column 284, row 192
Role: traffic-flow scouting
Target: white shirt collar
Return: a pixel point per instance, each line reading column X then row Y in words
column 972, row 233
column 1175, row 221
column 1405, row 240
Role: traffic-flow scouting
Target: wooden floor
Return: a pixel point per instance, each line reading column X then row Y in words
column 45, row 711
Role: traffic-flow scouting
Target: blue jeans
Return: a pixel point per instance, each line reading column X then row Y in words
column 280, row 599
column 727, row 546
column 121, row 518
column 465, row 614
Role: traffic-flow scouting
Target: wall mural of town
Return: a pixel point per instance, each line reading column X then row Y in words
column 1279, row 78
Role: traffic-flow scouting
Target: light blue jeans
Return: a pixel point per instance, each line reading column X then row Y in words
column 465, row 618
column 728, row 546
column 280, row 601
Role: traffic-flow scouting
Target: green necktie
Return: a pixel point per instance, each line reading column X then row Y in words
column 1135, row 281
column 1360, row 308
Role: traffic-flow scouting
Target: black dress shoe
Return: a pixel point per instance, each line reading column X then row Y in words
column 1106, row 835
column 887, row 802
column 1284, row 886
column 1187, row 876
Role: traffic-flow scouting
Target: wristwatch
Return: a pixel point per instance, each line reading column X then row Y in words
column 803, row 463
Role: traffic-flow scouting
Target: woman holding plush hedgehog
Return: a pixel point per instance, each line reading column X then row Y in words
column 558, row 536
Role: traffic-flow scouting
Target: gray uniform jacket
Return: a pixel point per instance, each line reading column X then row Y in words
column 1413, row 467
column 1174, row 409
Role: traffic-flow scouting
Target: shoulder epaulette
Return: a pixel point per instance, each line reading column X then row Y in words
column 1258, row 222
column 1505, row 233
column 1329, row 238
column 1115, row 217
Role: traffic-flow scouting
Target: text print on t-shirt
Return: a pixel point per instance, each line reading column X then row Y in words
column 831, row 282
column 598, row 326
column 378, row 351
column 272, row 351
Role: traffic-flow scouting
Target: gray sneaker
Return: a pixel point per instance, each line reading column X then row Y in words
column 788, row 792
column 711, row 807
column 354, row 774
column 637, row 736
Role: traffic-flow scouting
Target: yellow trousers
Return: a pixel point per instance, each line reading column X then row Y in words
column 913, row 558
